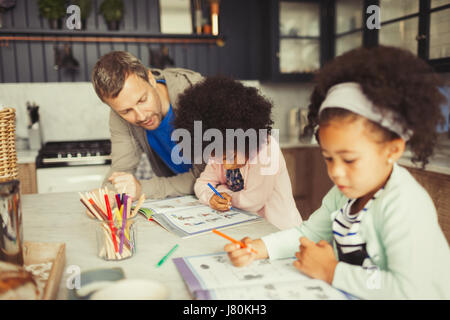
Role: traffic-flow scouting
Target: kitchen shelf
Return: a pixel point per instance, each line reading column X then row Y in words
column 105, row 36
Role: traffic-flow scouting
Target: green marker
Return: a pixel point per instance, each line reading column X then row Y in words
column 166, row 256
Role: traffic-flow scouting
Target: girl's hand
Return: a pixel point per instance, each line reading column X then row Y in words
column 241, row 256
column 316, row 260
column 217, row 203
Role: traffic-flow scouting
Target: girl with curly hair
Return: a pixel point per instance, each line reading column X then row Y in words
column 251, row 176
column 376, row 234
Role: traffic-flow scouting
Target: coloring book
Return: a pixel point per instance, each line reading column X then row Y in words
column 212, row 276
column 186, row 216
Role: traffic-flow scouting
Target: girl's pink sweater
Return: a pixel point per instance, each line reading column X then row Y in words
column 267, row 187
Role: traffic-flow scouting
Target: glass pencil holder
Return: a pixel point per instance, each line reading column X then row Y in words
column 116, row 240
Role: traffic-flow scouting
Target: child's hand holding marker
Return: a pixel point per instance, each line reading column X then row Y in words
column 246, row 251
column 221, row 203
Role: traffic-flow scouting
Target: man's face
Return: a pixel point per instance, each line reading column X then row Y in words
column 138, row 103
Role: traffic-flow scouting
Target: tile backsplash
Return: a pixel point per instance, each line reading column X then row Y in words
column 68, row 111
column 286, row 96
column 72, row 110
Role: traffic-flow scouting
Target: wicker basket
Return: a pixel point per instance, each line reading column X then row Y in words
column 8, row 155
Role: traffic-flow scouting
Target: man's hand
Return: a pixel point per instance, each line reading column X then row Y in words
column 217, row 203
column 316, row 260
column 126, row 182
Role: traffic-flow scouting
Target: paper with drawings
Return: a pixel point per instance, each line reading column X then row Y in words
column 186, row 216
column 214, row 277
column 167, row 205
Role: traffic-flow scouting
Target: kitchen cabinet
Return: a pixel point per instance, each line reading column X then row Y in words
column 419, row 26
column 438, row 187
column 27, row 178
column 349, row 25
column 309, row 178
column 299, row 38
column 400, row 24
column 438, row 52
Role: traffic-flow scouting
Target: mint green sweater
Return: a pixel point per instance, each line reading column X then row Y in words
column 403, row 237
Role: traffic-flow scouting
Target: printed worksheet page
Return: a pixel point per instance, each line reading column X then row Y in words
column 299, row 290
column 214, row 277
column 168, row 205
column 199, row 219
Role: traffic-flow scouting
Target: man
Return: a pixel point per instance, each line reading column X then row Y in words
column 141, row 102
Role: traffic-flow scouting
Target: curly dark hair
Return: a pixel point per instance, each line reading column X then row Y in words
column 223, row 103
column 393, row 79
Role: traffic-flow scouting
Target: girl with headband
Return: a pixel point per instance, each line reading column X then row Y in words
column 376, row 234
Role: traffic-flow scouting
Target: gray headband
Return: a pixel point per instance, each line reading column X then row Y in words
column 349, row 96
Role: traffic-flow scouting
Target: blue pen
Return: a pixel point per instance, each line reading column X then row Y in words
column 216, row 192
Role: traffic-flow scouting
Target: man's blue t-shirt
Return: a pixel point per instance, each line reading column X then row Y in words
column 159, row 140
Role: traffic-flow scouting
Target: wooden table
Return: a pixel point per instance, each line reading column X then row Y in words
column 60, row 217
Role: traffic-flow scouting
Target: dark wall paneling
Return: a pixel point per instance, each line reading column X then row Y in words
column 8, row 63
column 2, row 76
column 240, row 23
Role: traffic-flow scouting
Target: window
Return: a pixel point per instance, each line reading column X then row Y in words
column 299, row 37
column 349, row 32
column 400, row 34
column 440, row 34
column 398, row 28
column 393, row 9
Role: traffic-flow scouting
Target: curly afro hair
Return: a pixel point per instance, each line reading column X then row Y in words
column 393, row 79
column 223, row 103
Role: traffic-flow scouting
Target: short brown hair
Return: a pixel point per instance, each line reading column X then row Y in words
column 111, row 71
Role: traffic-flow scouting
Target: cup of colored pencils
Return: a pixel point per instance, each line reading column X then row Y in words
column 115, row 222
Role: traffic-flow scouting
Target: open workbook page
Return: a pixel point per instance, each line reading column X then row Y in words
column 213, row 276
column 186, row 216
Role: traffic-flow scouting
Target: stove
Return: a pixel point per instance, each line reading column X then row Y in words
column 74, row 153
column 72, row 165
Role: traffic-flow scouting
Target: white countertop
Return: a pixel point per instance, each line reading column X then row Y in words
column 60, row 217
column 439, row 163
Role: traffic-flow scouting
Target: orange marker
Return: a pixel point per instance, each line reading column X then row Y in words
column 232, row 240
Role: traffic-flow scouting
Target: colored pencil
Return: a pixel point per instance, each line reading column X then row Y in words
column 89, row 207
column 138, row 205
column 124, row 221
column 111, row 222
column 88, row 212
column 119, row 204
column 99, row 211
